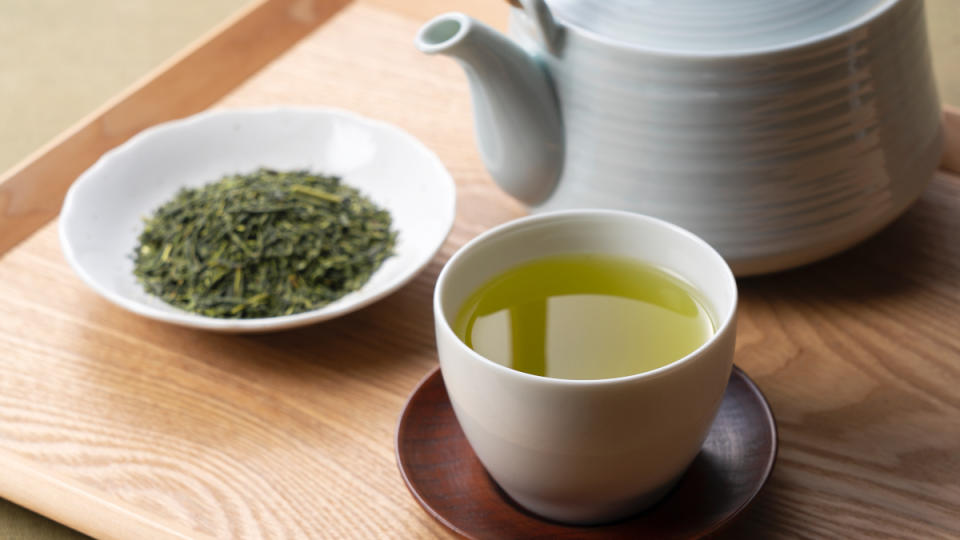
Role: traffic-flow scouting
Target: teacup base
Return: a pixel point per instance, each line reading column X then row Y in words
column 579, row 513
column 446, row 478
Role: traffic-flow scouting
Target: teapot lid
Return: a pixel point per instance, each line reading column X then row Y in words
column 714, row 27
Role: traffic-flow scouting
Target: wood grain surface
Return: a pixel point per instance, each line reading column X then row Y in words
column 122, row 427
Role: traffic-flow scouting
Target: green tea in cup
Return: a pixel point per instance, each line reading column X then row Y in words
column 585, row 297
column 584, row 316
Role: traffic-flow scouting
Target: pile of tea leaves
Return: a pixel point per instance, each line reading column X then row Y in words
column 263, row 244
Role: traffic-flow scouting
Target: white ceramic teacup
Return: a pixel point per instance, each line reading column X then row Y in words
column 586, row 451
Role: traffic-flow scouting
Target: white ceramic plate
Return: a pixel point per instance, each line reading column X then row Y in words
column 102, row 215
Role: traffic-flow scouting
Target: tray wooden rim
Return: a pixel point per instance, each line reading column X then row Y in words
column 90, row 511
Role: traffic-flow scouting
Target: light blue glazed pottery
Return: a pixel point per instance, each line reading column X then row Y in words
column 781, row 131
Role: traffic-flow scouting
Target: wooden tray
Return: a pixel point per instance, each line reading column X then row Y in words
column 124, row 428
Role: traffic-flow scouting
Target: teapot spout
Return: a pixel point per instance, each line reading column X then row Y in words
column 516, row 117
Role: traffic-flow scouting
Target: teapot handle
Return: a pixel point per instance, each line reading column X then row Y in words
column 542, row 18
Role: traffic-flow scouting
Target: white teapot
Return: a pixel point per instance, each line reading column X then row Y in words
column 781, row 131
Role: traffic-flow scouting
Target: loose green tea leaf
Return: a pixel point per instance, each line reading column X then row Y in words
column 263, row 244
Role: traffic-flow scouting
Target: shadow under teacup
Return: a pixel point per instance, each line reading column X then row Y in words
column 586, row 451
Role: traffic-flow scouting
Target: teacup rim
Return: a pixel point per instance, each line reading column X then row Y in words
column 726, row 321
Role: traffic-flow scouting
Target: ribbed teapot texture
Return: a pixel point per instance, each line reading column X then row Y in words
column 780, row 132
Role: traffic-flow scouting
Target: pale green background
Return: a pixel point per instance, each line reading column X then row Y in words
column 60, row 59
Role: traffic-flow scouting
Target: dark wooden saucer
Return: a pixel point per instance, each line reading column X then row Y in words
column 445, row 477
